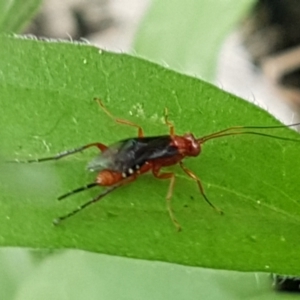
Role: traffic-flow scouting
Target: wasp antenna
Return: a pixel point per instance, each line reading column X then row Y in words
column 83, row 188
column 201, row 141
column 239, row 130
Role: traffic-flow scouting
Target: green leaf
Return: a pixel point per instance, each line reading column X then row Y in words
column 187, row 36
column 14, row 14
column 47, row 106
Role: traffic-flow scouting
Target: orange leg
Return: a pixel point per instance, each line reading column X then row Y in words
column 120, row 121
column 170, row 176
column 168, row 123
column 194, row 177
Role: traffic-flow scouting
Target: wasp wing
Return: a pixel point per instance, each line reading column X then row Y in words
column 108, row 158
column 153, row 148
column 131, row 152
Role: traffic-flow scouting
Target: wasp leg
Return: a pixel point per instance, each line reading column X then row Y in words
column 170, row 176
column 93, row 200
column 194, row 177
column 120, row 121
column 83, row 188
column 168, row 123
column 60, row 155
column 81, row 207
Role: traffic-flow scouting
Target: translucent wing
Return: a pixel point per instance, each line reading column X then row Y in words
column 108, row 159
column 131, row 152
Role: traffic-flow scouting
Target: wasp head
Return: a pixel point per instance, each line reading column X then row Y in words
column 192, row 146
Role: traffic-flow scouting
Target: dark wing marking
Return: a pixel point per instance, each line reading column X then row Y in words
column 154, row 148
column 128, row 153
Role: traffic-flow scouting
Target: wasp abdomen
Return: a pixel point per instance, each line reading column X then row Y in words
column 108, row 178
